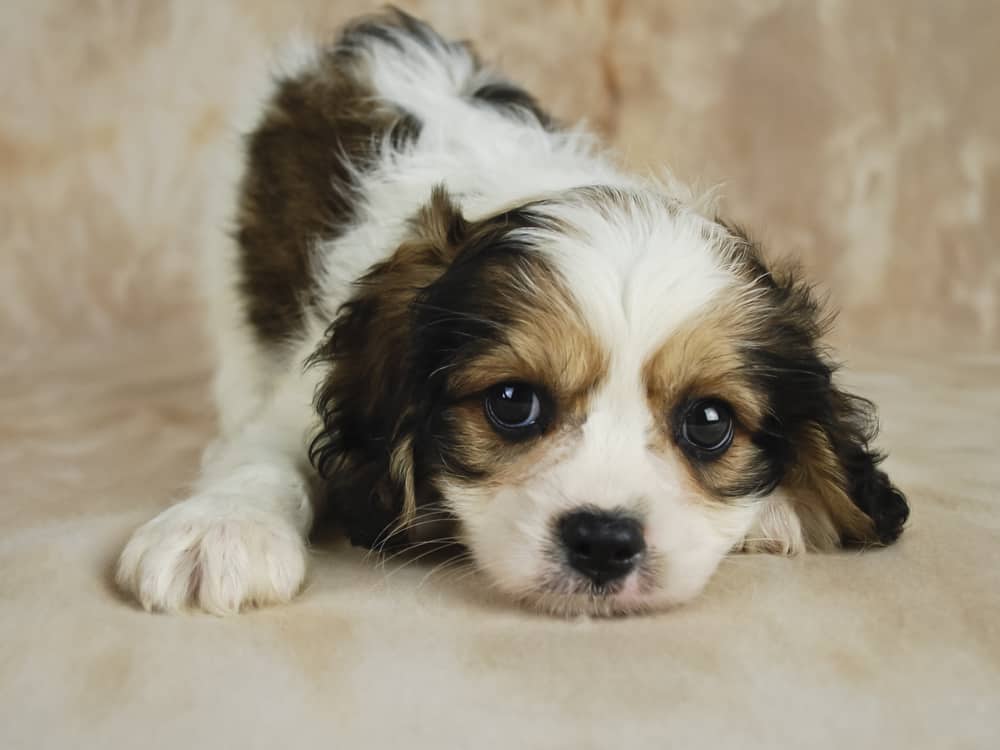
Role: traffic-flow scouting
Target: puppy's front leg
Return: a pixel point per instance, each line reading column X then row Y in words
column 239, row 540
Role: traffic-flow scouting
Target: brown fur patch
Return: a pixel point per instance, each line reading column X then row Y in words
column 317, row 133
column 818, row 483
column 297, row 188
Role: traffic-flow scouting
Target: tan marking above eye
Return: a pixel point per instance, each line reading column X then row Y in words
column 546, row 344
column 703, row 360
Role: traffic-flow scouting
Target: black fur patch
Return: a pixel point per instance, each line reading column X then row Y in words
column 298, row 188
column 388, row 26
column 507, row 96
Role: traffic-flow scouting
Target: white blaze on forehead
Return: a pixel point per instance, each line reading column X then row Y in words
column 637, row 269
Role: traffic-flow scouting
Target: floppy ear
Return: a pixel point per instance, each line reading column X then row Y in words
column 367, row 402
column 824, row 435
column 837, row 471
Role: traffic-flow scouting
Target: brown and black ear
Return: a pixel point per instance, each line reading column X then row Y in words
column 364, row 450
column 820, row 435
column 837, row 469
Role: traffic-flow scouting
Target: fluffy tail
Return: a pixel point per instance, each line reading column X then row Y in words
column 409, row 65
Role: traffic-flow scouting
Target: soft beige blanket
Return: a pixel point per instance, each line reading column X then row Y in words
column 863, row 137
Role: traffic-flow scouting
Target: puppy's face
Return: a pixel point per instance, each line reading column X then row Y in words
column 605, row 390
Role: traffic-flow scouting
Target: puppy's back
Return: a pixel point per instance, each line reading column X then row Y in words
column 349, row 107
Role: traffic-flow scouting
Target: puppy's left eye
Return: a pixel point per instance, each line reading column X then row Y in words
column 707, row 426
column 514, row 408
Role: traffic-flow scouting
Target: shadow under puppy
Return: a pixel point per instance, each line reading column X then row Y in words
column 438, row 304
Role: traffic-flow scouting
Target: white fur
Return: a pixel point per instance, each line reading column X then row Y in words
column 777, row 528
column 637, row 273
column 240, row 538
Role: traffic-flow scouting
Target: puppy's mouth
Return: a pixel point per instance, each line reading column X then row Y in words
column 593, row 601
column 565, row 592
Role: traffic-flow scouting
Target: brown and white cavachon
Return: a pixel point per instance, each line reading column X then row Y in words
column 441, row 312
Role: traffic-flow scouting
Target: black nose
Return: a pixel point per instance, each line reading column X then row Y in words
column 602, row 546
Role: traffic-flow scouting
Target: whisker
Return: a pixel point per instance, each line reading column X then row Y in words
column 456, row 565
column 438, row 543
column 468, row 573
column 399, row 527
column 408, row 563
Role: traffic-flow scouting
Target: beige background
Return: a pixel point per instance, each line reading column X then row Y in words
column 862, row 137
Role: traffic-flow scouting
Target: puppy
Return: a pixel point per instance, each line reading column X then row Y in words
column 440, row 304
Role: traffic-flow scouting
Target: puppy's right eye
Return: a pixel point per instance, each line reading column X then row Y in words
column 514, row 409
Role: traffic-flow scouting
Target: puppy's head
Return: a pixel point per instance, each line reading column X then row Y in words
column 605, row 390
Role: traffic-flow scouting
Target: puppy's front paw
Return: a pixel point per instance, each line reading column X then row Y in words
column 219, row 559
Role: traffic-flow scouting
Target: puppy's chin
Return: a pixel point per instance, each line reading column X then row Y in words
column 566, row 594
column 575, row 597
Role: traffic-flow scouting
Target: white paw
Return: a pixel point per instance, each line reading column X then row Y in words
column 210, row 555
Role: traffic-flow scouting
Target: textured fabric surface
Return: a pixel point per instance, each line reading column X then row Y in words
column 862, row 137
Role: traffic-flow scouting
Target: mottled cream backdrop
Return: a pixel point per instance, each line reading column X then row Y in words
column 862, row 137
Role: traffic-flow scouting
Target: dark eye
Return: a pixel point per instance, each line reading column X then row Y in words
column 513, row 408
column 707, row 426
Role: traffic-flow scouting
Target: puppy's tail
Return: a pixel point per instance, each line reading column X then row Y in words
column 410, row 66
